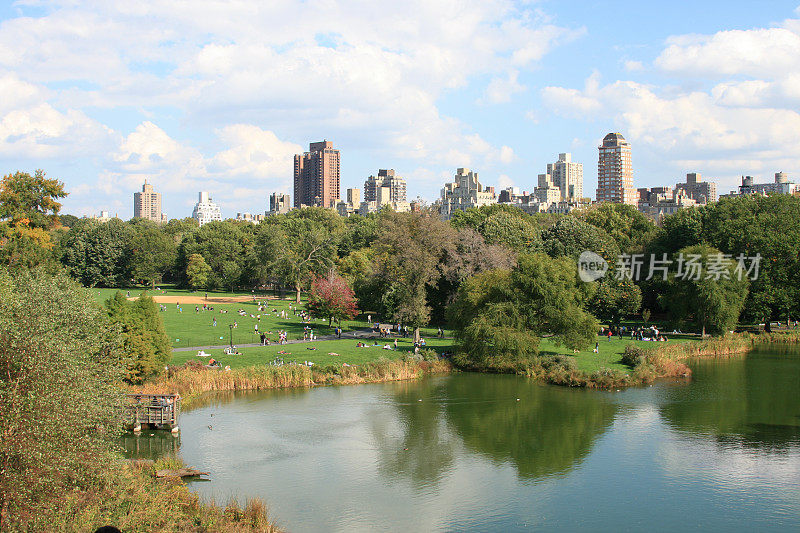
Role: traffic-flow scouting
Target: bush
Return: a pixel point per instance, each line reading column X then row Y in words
column 633, row 356
column 60, row 405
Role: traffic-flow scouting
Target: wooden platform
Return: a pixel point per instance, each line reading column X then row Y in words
column 154, row 411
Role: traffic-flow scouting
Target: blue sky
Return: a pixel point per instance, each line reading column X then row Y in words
column 218, row 96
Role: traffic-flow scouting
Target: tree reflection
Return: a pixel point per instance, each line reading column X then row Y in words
column 420, row 446
column 751, row 400
column 546, row 432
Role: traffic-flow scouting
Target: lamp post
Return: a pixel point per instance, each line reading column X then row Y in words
column 231, row 336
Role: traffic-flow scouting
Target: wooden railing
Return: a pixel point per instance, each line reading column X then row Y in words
column 159, row 411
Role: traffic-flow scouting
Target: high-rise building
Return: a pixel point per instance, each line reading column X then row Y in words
column 385, row 178
column 567, row 176
column 205, row 210
column 463, row 192
column 147, row 204
column 353, row 196
column 279, row 204
column 316, row 176
column 614, row 171
column 547, row 192
column 702, row 192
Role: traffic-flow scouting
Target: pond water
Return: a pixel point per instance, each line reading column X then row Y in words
column 502, row 453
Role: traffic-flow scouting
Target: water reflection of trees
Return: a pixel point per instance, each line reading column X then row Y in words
column 546, row 432
column 749, row 401
column 421, row 448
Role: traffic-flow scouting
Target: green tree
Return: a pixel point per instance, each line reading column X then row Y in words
column 500, row 315
column 615, row 298
column 150, row 251
column 60, row 404
column 94, row 252
column 569, row 237
column 501, row 224
column 770, row 227
column 410, row 254
column 30, row 198
column 218, row 243
column 624, row 223
column 303, row 247
column 197, row 272
column 28, row 211
column 709, row 302
column 145, row 341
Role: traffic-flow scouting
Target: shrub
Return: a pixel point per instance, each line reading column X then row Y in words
column 633, row 355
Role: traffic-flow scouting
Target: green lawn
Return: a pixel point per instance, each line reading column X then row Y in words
column 195, row 328
column 345, row 348
column 190, row 328
column 609, row 356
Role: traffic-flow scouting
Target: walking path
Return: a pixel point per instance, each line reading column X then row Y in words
column 358, row 334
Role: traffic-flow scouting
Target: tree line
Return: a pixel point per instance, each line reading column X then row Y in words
column 413, row 268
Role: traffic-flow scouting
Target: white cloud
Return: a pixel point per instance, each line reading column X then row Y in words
column 763, row 52
column 229, row 63
column 693, row 126
column 634, row 66
column 500, row 90
column 41, row 131
column 504, row 182
column 253, row 152
column 249, row 155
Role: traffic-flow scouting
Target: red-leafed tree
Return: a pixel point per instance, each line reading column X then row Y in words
column 332, row 298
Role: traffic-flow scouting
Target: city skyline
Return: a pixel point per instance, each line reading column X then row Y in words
column 220, row 106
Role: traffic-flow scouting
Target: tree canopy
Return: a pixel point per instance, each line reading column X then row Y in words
column 707, row 301
column 500, row 315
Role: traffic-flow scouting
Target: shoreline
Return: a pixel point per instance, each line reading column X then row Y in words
column 648, row 364
column 192, row 384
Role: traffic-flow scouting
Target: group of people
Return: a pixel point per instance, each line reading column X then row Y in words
column 642, row 333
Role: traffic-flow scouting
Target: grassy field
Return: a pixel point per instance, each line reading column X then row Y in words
column 347, row 352
column 192, row 326
column 195, row 328
column 609, row 356
column 346, row 349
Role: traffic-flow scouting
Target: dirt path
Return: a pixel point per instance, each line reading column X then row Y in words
column 199, row 300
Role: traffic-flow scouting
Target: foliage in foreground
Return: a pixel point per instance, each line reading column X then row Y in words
column 59, row 402
column 134, row 501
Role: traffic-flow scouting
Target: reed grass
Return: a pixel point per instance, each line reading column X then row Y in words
column 192, row 381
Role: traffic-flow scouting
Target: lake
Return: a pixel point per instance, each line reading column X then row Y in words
column 503, row 453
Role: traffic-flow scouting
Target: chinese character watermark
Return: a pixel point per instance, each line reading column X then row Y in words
column 694, row 267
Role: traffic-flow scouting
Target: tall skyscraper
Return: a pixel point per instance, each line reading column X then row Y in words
column 205, row 210
column 614, row 171
column 316, row 176
column 385, row 178
column 567, row 176
column 147, row 204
